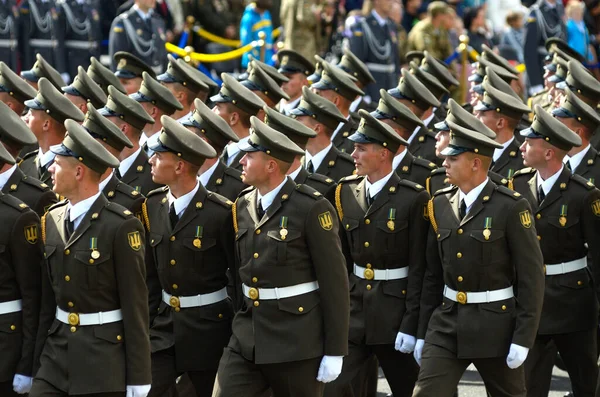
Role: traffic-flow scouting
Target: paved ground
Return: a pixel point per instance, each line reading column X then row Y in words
column 471, row 384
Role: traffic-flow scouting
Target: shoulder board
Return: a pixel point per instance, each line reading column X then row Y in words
column 445, row 190
column 246, row 191
column 129, row 191
column 425, row 163
column 497, row 178
column 350, row 178
column 309, row 191
column 217, row 198
column 582, row 181
column 524, row 171
column 411, row 184
column 160, row 190
column 119, row 209
column 14, row 202
column 36, row 183
column 30, row 154
column 321, row 178
column 510, row 193
column 237, row 174
column 346, row 156
column 57, row 205
column 439, row 170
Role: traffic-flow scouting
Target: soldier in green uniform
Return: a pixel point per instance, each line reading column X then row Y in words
column 191, row 242
column 337, row 86
column 404, row 122
column 47, row 113
column 236, row 104
column 321, row 156
column 83, row 90
column 214, row 175
column 14, row 135
column 292, row 331
column 129, row 69
column 94, row 294
column 13, row 90
column 130, row 117
column 264, row 87
column 300, row 134
column 103, row 76
column 441, row 72
column 481, row 298
column 41, row 68
column 431, row 33
column 297, row 69
column 386, row 262
column 22, row 259
column 356, row 68
column 566, row 211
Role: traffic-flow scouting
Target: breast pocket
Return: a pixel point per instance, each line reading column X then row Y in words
column 240, row 244
column 490, row 245
column 155, row 240
column 95, row 273
column 352, row 234
column 49, row 254
column 198, row 248
column 394, row 233
column 443, row 241
column 565, row 229
column 281, row 243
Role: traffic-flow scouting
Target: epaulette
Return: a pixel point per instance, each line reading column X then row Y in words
column 497, row 178
column 524, row 171
column 410, row 184
column 309, row 191
column 14, row 202
column 30, row 154
column 582, row 181
column 321, row 178
column 119, row 209
column 425, row 164
column 237, row 174
column 246, row 191
column 349, row 178
column 160, row 190
column 128, row 190
column 346, row 157
column 445, row 190
column 57, row 205
column 217, row 198
column 438, row 170
column 36, row 183
column 510, row 193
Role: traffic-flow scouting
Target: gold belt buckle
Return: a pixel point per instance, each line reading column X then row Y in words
column 461, row 297
column 174, row 301
column 369, row 274
column 73, row 319
column 253, row 294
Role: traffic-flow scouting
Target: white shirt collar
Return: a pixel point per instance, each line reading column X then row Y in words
column 318, row 158
column 398, row 159
column 127, row 163
column 143, row 138
column 498, row 152
column 181, row 203
column 267, row 199
column 356, row 102
column 77, row 211
column 105, row 182
column 548, row 183
column 472, row 195
column 380, row 20
column 374, row 188
column 418, row 128
column 233, row 149
column 293, row 175
column 206, row 175
column 575, row 160
column 46, row 158
column 339, row 127
column 143, row 15
column 186, row 117
column 288, row 107
column 5, row 176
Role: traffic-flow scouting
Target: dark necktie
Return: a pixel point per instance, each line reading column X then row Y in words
column 173, row 215
column 541, row 194
column 118, row 173
column 569, row 166
column 259, row 210
column 462, row 212
column 69, row 225
column 370, row 199
column 310, row 168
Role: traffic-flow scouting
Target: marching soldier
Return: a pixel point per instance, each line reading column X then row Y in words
column 567, row 209
column 434, row 86
column 404, row 122
column 191, row 239
column 236, row 104
column 14, row 91
column 83, row 32
column 84, row 90
column 300, row 134
column 310, row 304
column 129, row 70
column 481, row 298
column 336, row 86
column 297, row 69
column 384, row 290
column 501, row 113
column 14, row 135
column 272, row 71
column 45, row 118
column 316, row 76
column 264, row 87
column 22, row 258
column 414, row 95
column 214, row 175
column 42, row 35
column 101, row 309
column 581, row 82
column 41, row 68
column 103, row 76
column 321, row 156
column 483, row 65
column 141, row 32
column 130, row 117
column 186, row 84
column 9, row 38
column 356, row 68
column 440, row 71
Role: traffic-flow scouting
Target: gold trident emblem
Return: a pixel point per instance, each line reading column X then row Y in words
column 135, row 241
column 525, row 218
column 325, row 221
column 31, row 234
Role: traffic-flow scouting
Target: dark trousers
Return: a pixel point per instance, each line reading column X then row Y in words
column 6, row 389
column 240, row 377
column 400, row 369
column 41, row 388
column 164, row 374
column 578, row 352
column 441, row 371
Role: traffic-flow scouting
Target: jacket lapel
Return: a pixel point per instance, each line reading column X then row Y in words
column 111, row 185
column 192, row 209
column 251, row 205
column 15, row 179
column 132, row 173
column 324, row 166
column 216, row 177
column 477, row 206
column 556, row 191
column 301, row 177
column 59, row 223
column 383, row 195
column 85, row 223
column 454, row 205
column 406, row 164
column 361, row 195
column 287, row 190
column 587, row 163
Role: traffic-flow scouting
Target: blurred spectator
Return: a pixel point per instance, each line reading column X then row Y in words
column 256, row 19
column 578, row 35
column 329, row 16
column 213, row 16
column 514, row 36
column 350, row 5
column 411, row 14
column 477, row 31
column 456, row 28
column 396, row 16
column 431, row 33
column 302, row 26
column 497, row 10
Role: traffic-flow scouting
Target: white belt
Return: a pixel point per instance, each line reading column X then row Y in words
column 194, row 301
column 279, row 293
column 88, row 318
column 567, row 267
column 478, row 297
column 43, row 43
column 81, row 44
column 8, row 43
column 11, row 306
column 380, row 274
column 378, row 67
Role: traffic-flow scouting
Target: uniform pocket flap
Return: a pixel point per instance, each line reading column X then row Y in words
column 199, row 244
column 88, row 258
column 390, row 226
column 575, row 280
column 289, row 236
column 49, row 250
column 112, row 333
column 240, row 233
column 395, row 288
column 443, row 234
column 505, row 306
column 219, row 311
column 155, row 239
column 349, row 224
column 11, row 323
column 563, row 222
column 300, row 304
column 487, row 237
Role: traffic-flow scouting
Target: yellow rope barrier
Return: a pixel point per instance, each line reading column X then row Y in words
column 211, row 58
column 222, row 40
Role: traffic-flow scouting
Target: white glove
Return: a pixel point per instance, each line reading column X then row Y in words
column 22, row 384
column 138, row 391
column 419, row 350
column 66, row 77
column 516, row 356
column 330, row 368
column 405, row 343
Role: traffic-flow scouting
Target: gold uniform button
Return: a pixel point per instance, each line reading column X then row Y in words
column 175, row 286
column 13, row 327
column 367, row 221
column 67, row 278
column 257, row 231
column 119, row 337
column 220, row 315
column 539, row 238
column 70, row 304
column 369, row 287
column 256, row 303
column 300, row 309
column 460, row 279
column 439, row 235
column 367, row 244
column 256, row 255
column 173, row 238
column 177, row 309
column 73, row 329
column 538, row 216
column 67, row 252
column 459, row 255
column 503, row 307
column 579, row 282
column 403, row 292
column 172, row 262
column 91, row 261
column 255, row 279
column 459, row 231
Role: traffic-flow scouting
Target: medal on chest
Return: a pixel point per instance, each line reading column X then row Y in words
column 94, row 248
column 198, row 237
column 487, row 233
column 391, row 218
column 563, row 215
column 283, row 232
